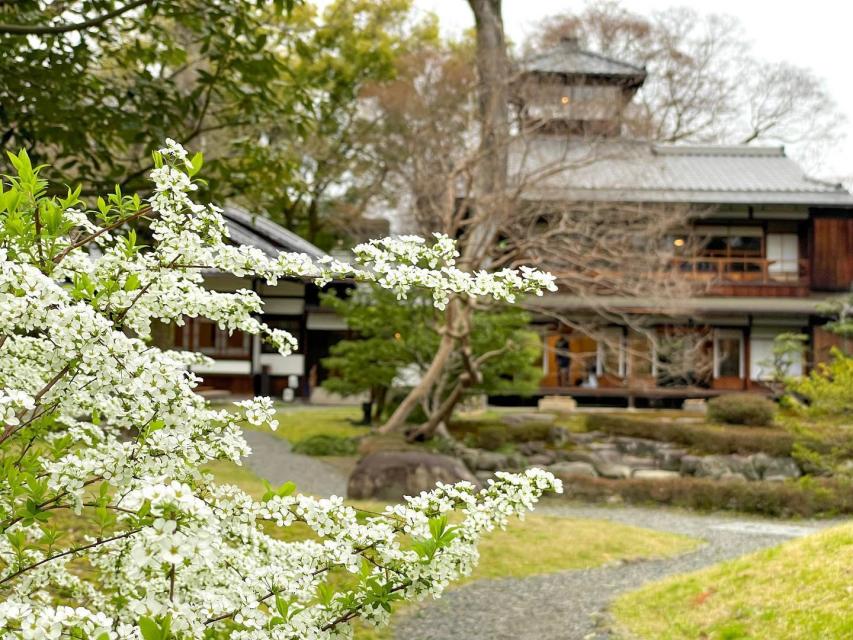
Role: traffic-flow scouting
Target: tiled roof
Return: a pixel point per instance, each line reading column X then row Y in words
column 642, row 172
column 568, row 58
column 264, row 234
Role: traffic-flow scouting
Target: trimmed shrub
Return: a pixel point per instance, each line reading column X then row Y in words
column 700, row 437
column 750, row 409
column 804, row 498
column 323, row 445
column 493, row 435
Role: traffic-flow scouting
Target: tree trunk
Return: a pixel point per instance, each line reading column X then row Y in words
column 489, row 198
column 490, row 184
column 381, row 395
column 436, row 367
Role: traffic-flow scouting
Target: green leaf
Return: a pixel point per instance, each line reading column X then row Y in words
column 196, row 162
column 150, row 629
column 131, row 283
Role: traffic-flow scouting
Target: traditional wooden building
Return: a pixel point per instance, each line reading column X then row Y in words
column 241, row 363
column 774, row 242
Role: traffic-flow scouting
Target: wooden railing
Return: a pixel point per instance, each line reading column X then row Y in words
column 750, row 271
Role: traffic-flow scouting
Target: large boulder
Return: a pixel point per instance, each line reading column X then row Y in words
column 390, row 475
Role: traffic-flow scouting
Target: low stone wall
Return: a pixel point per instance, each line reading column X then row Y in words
column 618, row 457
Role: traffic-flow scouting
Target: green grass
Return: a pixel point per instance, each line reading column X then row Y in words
column 543, row 544
column 298, row 424
column 801, row 590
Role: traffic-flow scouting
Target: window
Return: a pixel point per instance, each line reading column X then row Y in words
column 205, row 335
column 641, row 356
column 762, row 360
column 783, row 253
column 213, row 341
column 731, row 241
column 611, row 353
column 728, row 354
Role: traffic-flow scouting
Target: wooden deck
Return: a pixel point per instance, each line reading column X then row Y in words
column 633, row 392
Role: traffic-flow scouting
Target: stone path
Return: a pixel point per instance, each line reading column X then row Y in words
column 272, row 459
column 572, row 605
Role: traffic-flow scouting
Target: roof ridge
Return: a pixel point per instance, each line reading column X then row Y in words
column 738, row 150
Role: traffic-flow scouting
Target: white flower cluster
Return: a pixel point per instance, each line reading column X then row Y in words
column 96, row 422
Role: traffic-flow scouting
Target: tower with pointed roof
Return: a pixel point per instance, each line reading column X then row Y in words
column 567, row 90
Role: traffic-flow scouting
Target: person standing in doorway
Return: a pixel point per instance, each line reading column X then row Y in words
column 564, row 362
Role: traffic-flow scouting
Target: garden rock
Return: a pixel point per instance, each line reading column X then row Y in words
column 534, row 447
column 637, row 462
column 689, row 465
column 744, row 466
column 390, row 475
column 540, row 460
column 483, row 476
column 470, row 457
column 579, row 455
column 558, row 436
column 781, row 469
column 711, row 467
column 637, row 446
column 669, row 458
column 491, row 461
column 612, row 471
column 573, row 469
column 654, row 474
column 516, row 462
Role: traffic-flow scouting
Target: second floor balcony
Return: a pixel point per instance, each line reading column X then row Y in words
column 745, row 271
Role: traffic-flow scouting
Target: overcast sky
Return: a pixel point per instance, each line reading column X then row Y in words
column 814, row 34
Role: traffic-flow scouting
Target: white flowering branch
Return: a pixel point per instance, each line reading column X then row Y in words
column 98, row 424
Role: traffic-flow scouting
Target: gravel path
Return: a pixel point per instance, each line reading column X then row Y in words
column 571, row 605
column 272, row 459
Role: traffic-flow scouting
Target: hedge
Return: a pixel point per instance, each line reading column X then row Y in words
column 484, row 434
column 702, row 437
column 749, row 409
column 782, row 499
column 325, row 445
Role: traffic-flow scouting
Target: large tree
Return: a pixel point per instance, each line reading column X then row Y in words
column 704, row 82
column 268, row 90
column 459, row 163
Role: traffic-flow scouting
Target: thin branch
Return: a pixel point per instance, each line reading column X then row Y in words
column 69, row 552
column 42, row 30
column 60, row 256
